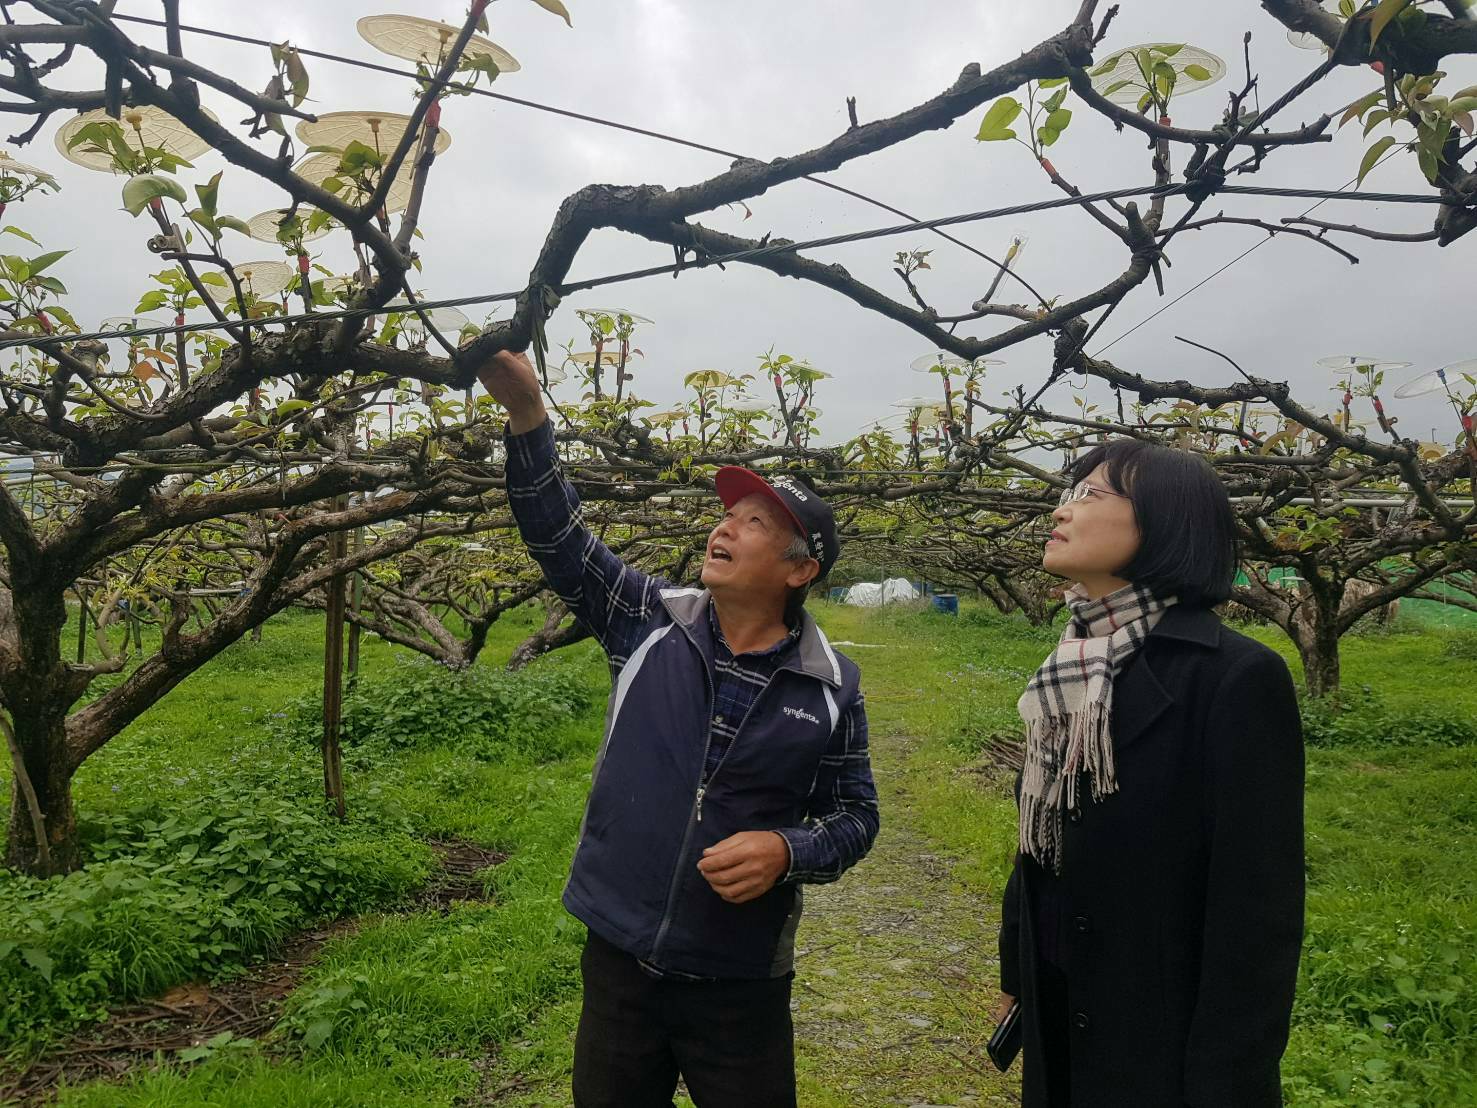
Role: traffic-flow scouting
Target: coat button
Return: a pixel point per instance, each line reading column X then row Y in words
column 1075, row 815
column 1083, row 923
column 1080, row 1021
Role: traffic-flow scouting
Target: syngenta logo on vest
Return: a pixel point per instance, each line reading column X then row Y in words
column 801, row 713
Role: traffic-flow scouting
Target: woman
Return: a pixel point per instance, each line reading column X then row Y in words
column 1152, row 924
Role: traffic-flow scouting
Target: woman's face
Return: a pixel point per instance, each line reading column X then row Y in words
column 1095, row 536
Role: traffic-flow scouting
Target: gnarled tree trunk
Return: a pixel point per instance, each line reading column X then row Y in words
column 39, row 745
column 549, row 637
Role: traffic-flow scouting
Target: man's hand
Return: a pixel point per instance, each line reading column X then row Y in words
column 746, row 865
column 510, row 379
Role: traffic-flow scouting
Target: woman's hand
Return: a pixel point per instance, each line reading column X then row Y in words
column 1002, row 1006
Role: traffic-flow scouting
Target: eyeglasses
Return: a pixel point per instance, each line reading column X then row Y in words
column 1083, row 491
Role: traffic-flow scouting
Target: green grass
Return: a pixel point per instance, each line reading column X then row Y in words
column 423, row 1009
column 399, row 1012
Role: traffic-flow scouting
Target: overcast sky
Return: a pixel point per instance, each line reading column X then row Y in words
column 770, row 78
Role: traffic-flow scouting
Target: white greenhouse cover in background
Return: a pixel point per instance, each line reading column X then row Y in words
column 873, row 595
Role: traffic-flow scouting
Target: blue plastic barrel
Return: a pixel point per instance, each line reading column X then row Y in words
column 946, row 602
column 837, row 592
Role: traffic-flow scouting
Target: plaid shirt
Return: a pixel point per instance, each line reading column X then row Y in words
column 616, row 602
column 737, row 682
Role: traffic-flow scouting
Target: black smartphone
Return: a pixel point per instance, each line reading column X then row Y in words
column 1005, row 1044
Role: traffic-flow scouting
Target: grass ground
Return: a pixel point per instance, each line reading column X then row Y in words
column 896, row 968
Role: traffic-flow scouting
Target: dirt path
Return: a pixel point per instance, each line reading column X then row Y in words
column 895, row 976
column 896, row 973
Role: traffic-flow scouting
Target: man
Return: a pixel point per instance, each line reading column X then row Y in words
column 734, row 769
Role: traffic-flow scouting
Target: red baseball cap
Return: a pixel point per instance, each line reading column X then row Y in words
column 812, row 516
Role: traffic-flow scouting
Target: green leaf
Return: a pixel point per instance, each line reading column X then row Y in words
column 1362, row 105
column 1051, row 82
column 1059, row 119
column 1433, row 138
column 38, row 960
column 1376, row 117
column 482, row 63
column 1115, row 86
column 1197, row 72
column 1054, row 101
column 317, row 1033
column 1347, row 8
column 358, row 155
column 138, row 191
column 1429, row 163
column 1106, row 67
column 209, row 193
column 1386, row 11
column 154, row 298
column 21, row 234
column 557, row 8
column 1371, row 156
column 230, row 222
column 996, row 124
column 1169, row 51
column 1046, row 136
column 297, row 75
column 43, row 262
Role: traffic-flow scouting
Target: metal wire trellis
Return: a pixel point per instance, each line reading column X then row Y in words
column 703, row 262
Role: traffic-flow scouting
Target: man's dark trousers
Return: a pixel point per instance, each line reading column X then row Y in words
column 732, row 1041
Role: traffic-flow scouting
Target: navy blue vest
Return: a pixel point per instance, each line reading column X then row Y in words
column 634, row 880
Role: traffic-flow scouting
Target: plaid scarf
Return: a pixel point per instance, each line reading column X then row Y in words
column 1067, row 708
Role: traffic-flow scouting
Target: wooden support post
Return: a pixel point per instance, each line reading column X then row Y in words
column 81, row 624
column 333, row 674
column 356, row 601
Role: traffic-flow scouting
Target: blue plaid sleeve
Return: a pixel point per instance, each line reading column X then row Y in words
column 611, row 598
column 842, row 820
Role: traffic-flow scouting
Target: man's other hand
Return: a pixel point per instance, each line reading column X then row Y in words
column 746, row 865
column 510, row 380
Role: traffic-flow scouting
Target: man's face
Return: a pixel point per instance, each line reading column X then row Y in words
column 745, row 551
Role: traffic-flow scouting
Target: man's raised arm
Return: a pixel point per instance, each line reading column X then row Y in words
column 611, row 598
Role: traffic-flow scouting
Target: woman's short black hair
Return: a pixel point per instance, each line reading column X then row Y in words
column 1186, row 527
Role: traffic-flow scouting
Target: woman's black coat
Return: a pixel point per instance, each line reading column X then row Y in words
column 1181, row 894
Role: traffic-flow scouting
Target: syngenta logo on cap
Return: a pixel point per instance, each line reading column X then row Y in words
column 801, row 713
column 790, row 486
